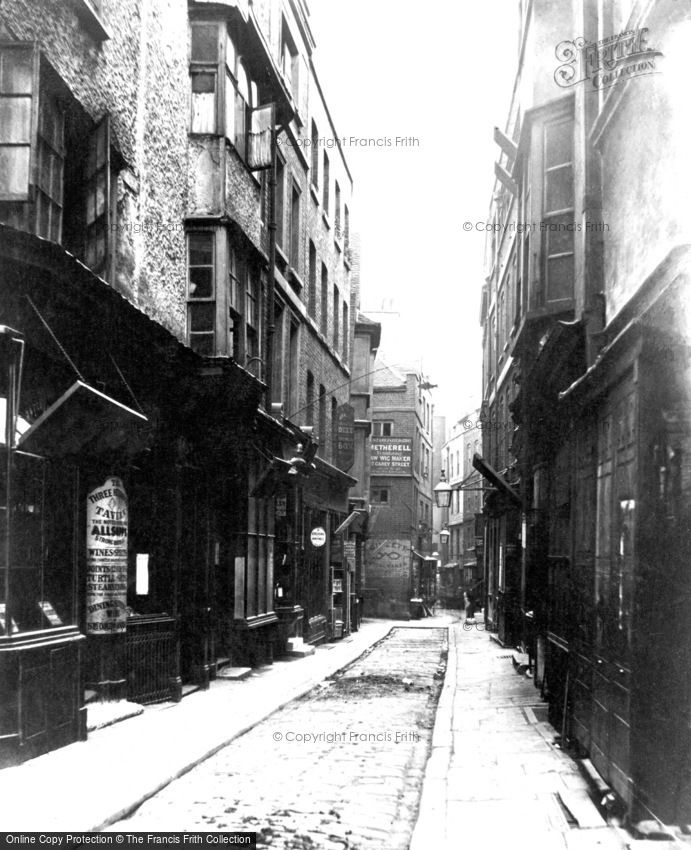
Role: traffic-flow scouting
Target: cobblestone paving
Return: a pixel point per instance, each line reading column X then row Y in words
column 340, row 768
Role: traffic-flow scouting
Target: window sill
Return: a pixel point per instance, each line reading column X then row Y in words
column 314, row 189
column 296, row 281
column 325, row 219
column 338, row 244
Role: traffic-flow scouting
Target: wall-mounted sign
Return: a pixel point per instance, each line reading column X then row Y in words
column 349, row 549
column 345, row 436
column 318, row 536
column 107, row 524
column 391, row 456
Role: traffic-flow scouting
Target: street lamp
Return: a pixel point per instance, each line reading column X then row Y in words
column 442, row 492
column 444, row 535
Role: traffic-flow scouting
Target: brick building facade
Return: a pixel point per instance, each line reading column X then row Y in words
column 400, row 565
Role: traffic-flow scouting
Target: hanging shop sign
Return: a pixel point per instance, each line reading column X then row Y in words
column 345, row 436
column 107, row 525
column 318, row 536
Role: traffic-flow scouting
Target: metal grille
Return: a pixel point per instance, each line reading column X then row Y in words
column 150, row 659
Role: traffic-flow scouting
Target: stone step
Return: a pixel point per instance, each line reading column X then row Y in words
column 297, row 648
column 234, row 673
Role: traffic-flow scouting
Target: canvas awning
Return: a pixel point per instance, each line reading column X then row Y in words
column 83, row 417
column 354, row 521
column 495, row 479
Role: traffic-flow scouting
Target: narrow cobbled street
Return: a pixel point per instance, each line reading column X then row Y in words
column 341, row 767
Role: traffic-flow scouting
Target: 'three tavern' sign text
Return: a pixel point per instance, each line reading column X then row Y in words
column 106, row 559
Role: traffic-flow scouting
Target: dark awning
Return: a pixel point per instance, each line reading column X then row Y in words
column 495, row 479
column 354, row 521
column 81, row 417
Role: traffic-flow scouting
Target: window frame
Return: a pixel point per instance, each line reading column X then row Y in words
column 228, row 72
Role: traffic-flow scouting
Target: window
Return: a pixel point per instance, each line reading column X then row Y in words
column 322, row 416
column 315, row 156
column 337, row 209
column 346, row 331
column 289, row 61
column 346, row 227
column 336, row 317
column 252, row 321
column 382, row 429
column 222, row 91
column 97, row 193
column 558, row 209
column 312, row 284
column 294, row 237
column 381, row 496
column 325, row 301
column 201, row 306
column 279, row 210
column 325, row 197
column 309, row 400
column 55, row 164
column 334, row 430
column 292, row 367
column 260, row 551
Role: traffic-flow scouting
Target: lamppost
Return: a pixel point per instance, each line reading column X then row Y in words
column 442, row 492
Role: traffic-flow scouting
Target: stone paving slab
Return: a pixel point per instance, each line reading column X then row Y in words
column 495, row 773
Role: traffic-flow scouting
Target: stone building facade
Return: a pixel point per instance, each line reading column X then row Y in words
column 153, row 352
column 588, row 488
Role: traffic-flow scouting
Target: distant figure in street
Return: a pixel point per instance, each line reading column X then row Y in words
column 469, row 606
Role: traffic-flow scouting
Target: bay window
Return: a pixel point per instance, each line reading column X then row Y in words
column 55, row 164
column 223, row 298
column 223, row 92
column 558, row 209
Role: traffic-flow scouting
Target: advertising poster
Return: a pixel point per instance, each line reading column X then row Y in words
column 106, row 559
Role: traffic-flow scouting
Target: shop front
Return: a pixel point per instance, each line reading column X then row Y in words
column 115, row 531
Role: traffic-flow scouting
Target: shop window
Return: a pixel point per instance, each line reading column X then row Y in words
column 260, row 553
column 222, row 92
column 39, row 592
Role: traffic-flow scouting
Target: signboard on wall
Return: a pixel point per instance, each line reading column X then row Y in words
column 318, row 537
column 107, row 524
column 391, row 456
column 345, row 436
